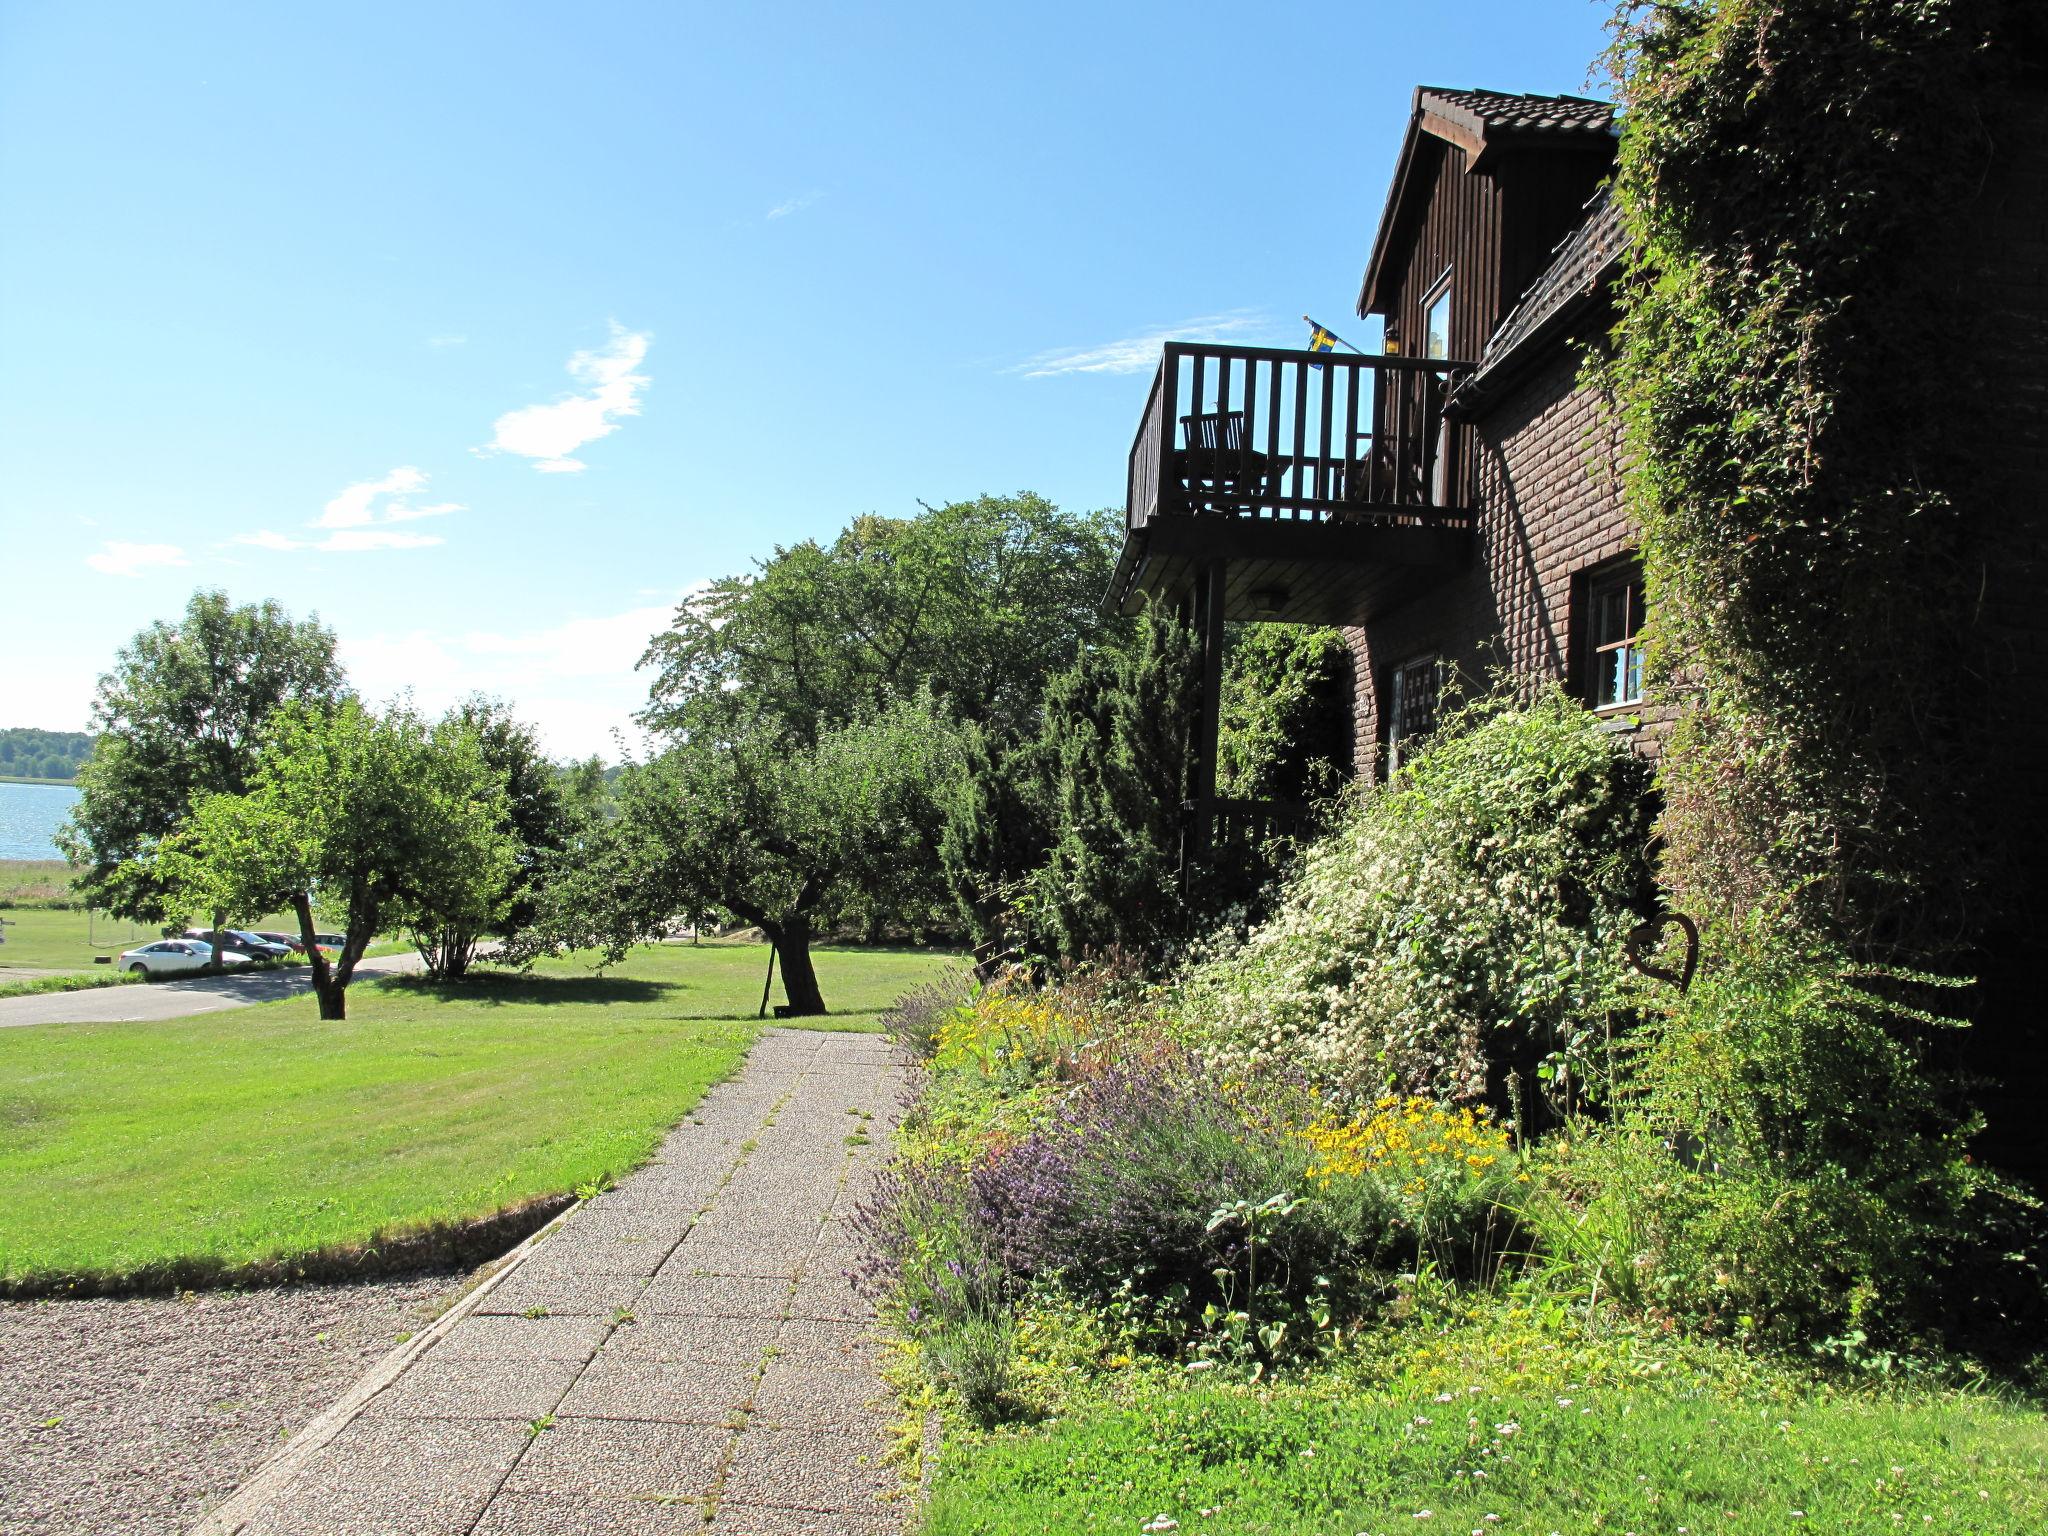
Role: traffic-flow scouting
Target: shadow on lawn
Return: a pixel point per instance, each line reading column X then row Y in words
column 499, row 987
column 496, row 988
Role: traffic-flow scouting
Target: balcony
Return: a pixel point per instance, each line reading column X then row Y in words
column 1314, row 488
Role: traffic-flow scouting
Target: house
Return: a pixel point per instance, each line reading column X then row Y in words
column 1455, row 502
column 1446, row 502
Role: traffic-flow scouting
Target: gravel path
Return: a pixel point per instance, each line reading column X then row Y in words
column 134, row 1416
column 679, row 1357
column 155, row 1000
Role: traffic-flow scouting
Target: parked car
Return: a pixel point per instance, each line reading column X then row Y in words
column 167, row 957
column 290, row 941
column 239, row 941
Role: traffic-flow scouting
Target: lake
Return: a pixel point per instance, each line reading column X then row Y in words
column 29, row 817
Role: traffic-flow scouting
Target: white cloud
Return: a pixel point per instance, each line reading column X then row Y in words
column 797, row 204
column 361, row 516
column 1136, row 354
column 550, row 434
column 118, row 557
column 576, row 681
column 440, row 343
column 358, row 504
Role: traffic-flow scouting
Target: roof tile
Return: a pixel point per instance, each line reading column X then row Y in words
column 1526, row 114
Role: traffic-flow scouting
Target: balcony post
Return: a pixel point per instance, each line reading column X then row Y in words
column 1209, row 598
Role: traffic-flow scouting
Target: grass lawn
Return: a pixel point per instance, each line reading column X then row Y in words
column 168, row 1150
column 48, row 939
column 1221, row 1461
column 1500, row 1424
column 41, row 938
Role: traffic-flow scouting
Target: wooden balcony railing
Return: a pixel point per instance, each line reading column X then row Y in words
column 1262, row 432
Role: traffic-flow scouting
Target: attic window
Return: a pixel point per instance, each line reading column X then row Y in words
column 1436, row 324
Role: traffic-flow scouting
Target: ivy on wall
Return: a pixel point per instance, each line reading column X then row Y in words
column 1789, row 368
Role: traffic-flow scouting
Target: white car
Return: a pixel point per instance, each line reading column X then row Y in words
column 169, row 956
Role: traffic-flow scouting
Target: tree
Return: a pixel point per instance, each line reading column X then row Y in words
column 783, row 837
column 977, row 601
column 536, row 820
column 381, row 816
column 1113, row 750
column 997, row 834
column 181, row 716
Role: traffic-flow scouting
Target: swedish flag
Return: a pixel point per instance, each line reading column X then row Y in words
column 1322, row 339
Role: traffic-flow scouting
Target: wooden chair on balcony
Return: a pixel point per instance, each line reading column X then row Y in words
column 1219, row 467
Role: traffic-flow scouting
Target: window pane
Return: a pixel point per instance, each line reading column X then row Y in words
column 1436, row 327
column 1610, row 615
column 1608, row 679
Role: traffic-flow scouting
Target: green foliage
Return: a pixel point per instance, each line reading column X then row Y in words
column 1337, row 1453
column 787, row 836
column 1285, row 732
column 538, row 819
column 393, row 821
column 996, row 833
column 1461, row 928
column 1793, row 370
column 976, row 602
column 1788, row 176
column 31, row 754
column 1783, row 1170
column 968, row 607
column 1113, row 750
column 182, row 715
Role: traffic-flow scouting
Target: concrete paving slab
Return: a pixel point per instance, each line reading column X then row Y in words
column 577, row 1514
column 734, row 1296
column 756, row 1520
column 392, row 1511
column 816, row 1469
column 573, row 1394
column 711, row 1340
column 490, row 1336
column 475, row 1389
column 563, row 1295
column 453, row 1455
column 609, row 1459
column 801, row 1396
column 813, row 1341
column 666, row 1391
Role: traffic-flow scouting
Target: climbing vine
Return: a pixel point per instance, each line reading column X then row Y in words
column 1790, row 366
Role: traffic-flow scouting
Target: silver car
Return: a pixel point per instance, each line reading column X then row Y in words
column 167, row 957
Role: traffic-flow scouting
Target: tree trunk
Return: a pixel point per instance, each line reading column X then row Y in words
column 220, row 921
column 332, row 993
column 799, row 979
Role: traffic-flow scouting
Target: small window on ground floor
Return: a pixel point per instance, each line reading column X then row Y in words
column 1614, row 652
column 1411, row 706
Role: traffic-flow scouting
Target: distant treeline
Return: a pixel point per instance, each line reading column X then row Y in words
column 32, row 754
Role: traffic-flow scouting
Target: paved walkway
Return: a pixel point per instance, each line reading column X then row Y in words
column 149, row 1001
column 681, row 1354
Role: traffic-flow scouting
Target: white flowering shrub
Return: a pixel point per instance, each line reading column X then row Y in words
column 1465, row 922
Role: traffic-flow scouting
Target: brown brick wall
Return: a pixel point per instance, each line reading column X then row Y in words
column 1550, row 511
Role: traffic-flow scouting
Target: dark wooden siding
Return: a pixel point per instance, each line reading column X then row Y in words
column 1493, row 230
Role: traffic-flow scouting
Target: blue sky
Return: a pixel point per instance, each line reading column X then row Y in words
column 487, row 330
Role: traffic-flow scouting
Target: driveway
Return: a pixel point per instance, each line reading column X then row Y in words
column 156, row 1000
